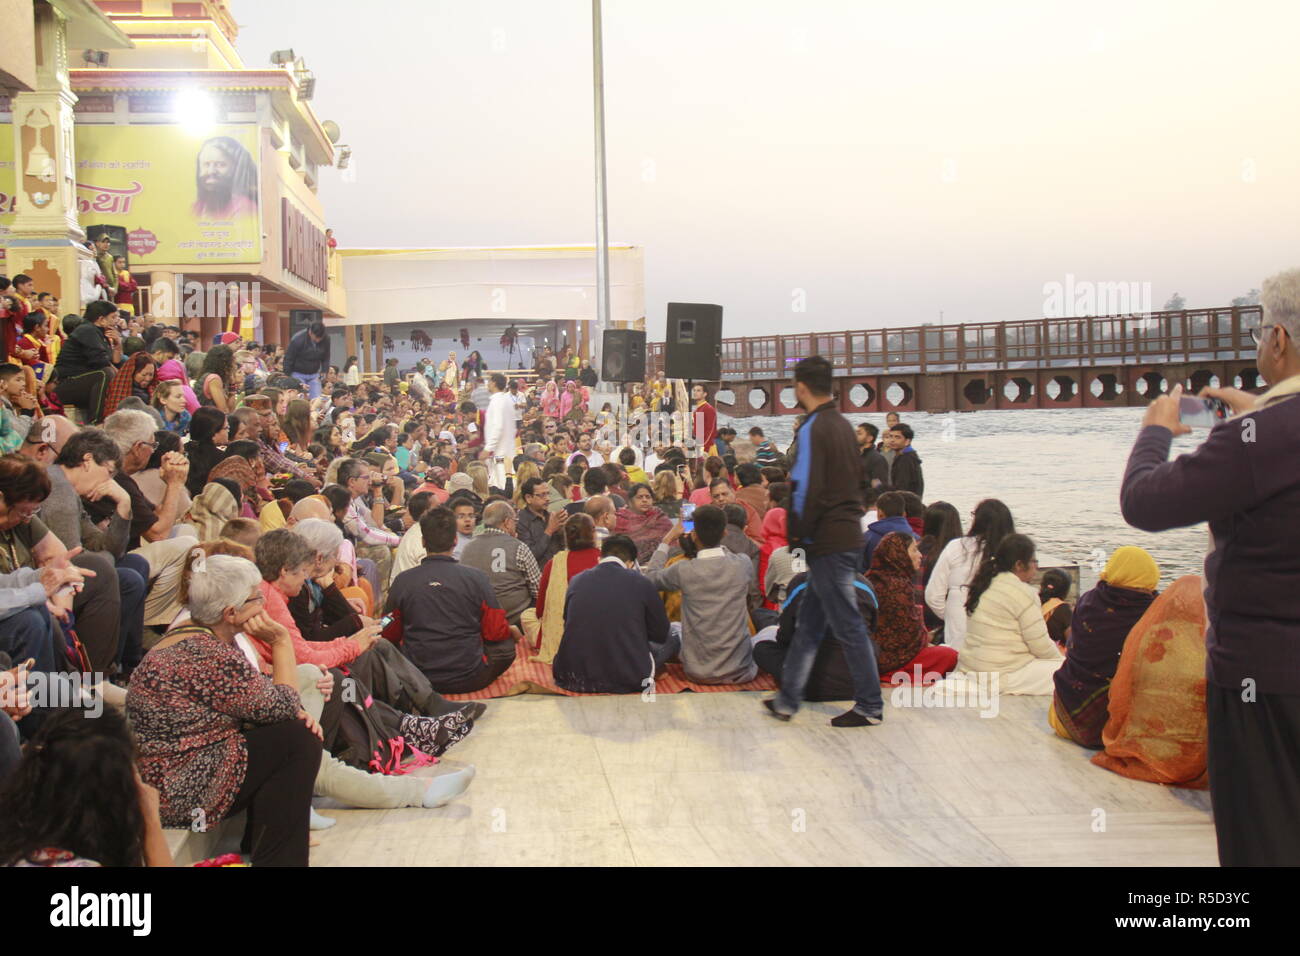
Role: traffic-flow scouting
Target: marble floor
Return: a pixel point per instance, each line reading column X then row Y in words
column 709, row 780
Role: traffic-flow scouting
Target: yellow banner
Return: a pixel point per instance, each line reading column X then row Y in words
column 183, row 198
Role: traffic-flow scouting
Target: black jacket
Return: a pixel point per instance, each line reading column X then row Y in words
column 305, row 356
column 825, row 514
column 612, row 616
column 86, row 350
column 877, row 469
column 905, row 473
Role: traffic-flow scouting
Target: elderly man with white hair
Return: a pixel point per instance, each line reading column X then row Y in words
column 507, row 561
column 154, row 534
column 1244, row 479
column 134, row 433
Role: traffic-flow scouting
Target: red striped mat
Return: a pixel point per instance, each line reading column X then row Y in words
column 525, row 677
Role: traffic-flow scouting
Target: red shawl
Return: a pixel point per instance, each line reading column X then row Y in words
column 900, row 630
column 124, row 381
column 647, row 529
column 774, row 536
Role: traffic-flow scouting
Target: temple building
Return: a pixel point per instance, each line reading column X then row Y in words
column 140, row 119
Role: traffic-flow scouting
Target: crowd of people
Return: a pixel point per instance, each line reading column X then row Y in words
column 284, row 575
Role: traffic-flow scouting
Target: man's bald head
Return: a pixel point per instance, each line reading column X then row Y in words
column 310, row 507
column 64, row 428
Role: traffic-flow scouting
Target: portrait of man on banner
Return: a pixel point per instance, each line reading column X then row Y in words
column 225, row 181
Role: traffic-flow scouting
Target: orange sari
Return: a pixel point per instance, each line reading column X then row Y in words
column 1156, row 730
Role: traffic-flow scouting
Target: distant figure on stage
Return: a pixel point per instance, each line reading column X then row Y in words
column 824, row 522
column 499, row 431
column 704, row 421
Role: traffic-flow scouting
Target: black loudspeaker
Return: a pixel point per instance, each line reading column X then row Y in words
column 694, row 344
column 622, row 356
column 300, row 319
column 117, row 240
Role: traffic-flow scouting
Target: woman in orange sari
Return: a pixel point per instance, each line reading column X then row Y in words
column 1157, row 730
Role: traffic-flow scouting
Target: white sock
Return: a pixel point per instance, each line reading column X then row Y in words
column 319, row 822
column 447, row 787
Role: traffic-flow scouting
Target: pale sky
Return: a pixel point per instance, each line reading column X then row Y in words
column 889, row 160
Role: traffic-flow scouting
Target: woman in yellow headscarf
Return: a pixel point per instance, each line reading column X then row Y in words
column 1100, row 625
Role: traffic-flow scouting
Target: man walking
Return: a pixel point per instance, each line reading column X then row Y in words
column 307, row 356
column 824, row 522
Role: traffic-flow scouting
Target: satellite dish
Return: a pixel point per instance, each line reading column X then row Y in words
column 331, row 130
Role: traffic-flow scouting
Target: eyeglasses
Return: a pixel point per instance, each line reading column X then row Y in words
column 1257, row 333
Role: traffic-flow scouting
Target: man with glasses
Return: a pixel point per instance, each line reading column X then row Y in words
column 1244, row 479
column 538, row 527
column 134, row 433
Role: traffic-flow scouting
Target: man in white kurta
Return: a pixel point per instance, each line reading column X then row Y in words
column 499, row 431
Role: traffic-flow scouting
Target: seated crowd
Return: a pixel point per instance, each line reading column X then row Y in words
column 280, row 584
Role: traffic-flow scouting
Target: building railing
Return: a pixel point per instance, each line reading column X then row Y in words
column 1155, row 338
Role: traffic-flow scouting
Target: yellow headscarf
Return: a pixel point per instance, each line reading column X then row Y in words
column 1132, row 567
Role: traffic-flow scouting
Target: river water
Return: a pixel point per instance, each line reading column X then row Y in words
column 1057, row 470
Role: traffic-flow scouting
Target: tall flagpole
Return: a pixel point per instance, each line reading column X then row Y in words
column 602, row 223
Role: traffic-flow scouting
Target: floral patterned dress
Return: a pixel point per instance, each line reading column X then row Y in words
column 187, row 703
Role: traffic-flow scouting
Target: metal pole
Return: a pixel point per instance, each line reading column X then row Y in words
column 602, row 223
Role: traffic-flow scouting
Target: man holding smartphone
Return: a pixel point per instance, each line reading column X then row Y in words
column 1244, row 480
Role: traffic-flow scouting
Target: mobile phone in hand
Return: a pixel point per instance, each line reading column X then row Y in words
column 1198, row 412
column 688, row 516
column 385, row 621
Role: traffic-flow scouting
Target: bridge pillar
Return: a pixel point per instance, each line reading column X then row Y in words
column 1247, row 371
column 738, row 407
column 1152, row 375
column 938, row 393
column 1069, row 385
column 974, row 391
column 1024, row 391
column 1111, row 387
column 846, row 386
column 908, row 383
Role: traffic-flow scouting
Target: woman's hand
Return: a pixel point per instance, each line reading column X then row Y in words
column 262, row 627
column 367, row 636
column 325, row 684
column 311, row 724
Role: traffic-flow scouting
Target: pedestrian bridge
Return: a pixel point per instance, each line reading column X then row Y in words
column 1083, row 362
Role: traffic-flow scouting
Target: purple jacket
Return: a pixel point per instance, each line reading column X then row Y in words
column 1245, row 481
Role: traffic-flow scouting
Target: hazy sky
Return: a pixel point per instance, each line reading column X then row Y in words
column 889, row 160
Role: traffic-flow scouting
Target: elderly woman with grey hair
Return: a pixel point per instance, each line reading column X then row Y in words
column 321, row 613
column 290, row 566
column 218, row 737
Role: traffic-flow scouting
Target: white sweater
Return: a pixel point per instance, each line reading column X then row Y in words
column 945, row 592
column 1007, row 630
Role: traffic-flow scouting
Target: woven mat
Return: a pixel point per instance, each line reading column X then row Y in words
column 525, row 677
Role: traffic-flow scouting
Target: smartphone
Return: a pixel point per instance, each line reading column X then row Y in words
column 688, row 516
column 1201, row 412
column 385, row 621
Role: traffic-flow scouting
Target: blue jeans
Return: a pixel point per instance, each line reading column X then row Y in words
column 133, row 584
column 30, row 634
column 830, row 602
column 312, row 381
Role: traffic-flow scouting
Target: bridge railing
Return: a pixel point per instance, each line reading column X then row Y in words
column 1218, row 333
